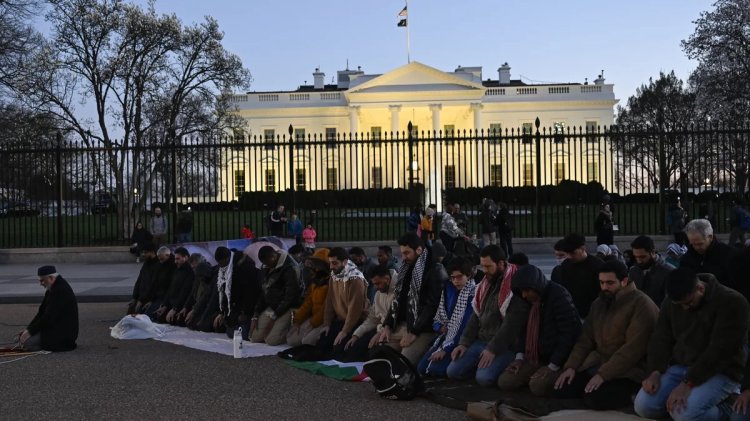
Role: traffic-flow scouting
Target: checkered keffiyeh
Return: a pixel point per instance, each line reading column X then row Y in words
column 454, row 322
column 414, row 287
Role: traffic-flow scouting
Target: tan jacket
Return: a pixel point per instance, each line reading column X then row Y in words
column 346, row 302
column 378, row 311
column 616, row 338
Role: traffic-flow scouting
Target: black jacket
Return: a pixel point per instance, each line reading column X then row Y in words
column 433, row 280
column 653, row 280
column 281, row 287
column 560, row 325
column 487, row 221
column 203, row 276
column 716, row 261
column 163, row 278
column 179, row 287
column 144, row 288
column 581, row 279
column 245, row 289
column 56, row 322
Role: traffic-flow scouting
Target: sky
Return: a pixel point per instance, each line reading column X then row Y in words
column 281, row 42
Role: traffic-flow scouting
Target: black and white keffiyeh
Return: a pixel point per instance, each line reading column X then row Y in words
column 415, row 284
column 454, row 322
column 224, row 279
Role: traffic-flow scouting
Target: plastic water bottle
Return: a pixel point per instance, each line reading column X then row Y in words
column 238, row 343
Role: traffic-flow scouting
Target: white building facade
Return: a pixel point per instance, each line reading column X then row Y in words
column 437, row 104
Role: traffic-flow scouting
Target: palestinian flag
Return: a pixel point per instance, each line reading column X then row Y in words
column 338, row 370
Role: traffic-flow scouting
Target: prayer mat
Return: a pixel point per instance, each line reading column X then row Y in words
column 334, row 369
column 216, row 342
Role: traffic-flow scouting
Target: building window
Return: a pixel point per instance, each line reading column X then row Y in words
column 330, row 137
column 450, row 176
column 592, row 169
column 528, row 174
column 526, row 131
column 300, row 179
column 377, row 178
column 376, row 134
column 270, row 180
column 496, row 175
column 559, row 172
column 239, row 182
column 449, row 133
column 332, row 179
column 299, row 138
column 495, row 132
column 269, row 138
column 591, row 129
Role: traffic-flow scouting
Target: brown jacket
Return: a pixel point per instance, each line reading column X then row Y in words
column 346, row 302
column 616, row 338
column 314, row 305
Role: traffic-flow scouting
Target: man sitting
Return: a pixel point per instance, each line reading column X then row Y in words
column 484, row 350
column 551, row 331
column 345, row 304
column 452, row 317
column 696, row 356
column 282, row 291
column 179, row 288
column 408, row 326
column 366, row 336
column 607, row 363
column 308, row 319
column 649, row 274
column 55, row 326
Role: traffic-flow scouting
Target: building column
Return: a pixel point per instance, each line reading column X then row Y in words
column 478, row 178
column 435, row 183
column 395, row 164
column 354, row 170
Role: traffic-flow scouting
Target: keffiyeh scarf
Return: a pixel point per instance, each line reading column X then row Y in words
column 503, row 297
column 415, row 284
column 224, row 279
column 454, row 322
column 349, row 272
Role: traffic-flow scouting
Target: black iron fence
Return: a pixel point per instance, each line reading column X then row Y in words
column 362, row 187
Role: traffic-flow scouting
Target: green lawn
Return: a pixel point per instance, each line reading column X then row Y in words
column 333, row 224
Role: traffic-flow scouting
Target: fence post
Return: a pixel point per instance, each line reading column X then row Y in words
column 292, row 178
column 537, row 200
column 175, row 209
column 58, row 159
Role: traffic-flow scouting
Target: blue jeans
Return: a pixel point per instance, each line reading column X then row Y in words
column 466, row 366
column 434, row 368
column 703, row 403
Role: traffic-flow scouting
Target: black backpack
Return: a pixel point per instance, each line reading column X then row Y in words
column 392, row 374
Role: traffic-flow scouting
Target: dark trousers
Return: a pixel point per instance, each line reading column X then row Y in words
column 448, row 241
column 612, row 394
column 359, row 351
column 505, row 241
column 326, row 348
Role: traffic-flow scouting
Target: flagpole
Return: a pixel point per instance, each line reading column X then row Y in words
column 408, row 45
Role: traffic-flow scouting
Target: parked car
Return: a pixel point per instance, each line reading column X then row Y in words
column 8, row 209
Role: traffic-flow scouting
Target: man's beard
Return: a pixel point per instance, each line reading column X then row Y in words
column 607, row 297
column 646, row 265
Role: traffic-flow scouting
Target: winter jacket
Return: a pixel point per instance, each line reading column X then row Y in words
column 140, row 236
column 429, row 298
column 716, row 261
column 500, row 333
column 709, row 339
column 204, row 274
column 309, row 234
column 378, row 311
column 346, row 298
column 652, row 280
column 281, row 287
column 615, row 338
column 163, row 278
column 179, row 287
column 487, row 221
column 581, row 279
column 56, row 322
column 450, row 297
column 314, row 305
column 245, row 291
column 144, row 288
column 560, row 325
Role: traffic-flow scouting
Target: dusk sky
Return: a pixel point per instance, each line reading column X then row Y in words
column 282, row 42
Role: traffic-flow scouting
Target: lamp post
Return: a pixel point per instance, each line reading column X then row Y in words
column 538, row 205
column 292, row 180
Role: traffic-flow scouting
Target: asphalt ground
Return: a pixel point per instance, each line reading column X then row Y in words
column 106, row 378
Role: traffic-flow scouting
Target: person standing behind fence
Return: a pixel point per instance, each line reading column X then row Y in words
column 677, row 217
column 428, row 233
column 604, row 226
column 159, row 227
column 487, row 223
column 294, row 228
column 309, row 235
column 277, row 221
column 185, row 226
column 449, row 230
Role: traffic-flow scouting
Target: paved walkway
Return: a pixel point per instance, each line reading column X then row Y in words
column 93, row 282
